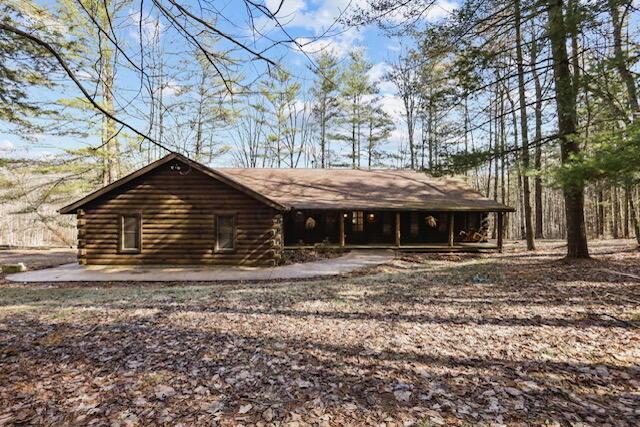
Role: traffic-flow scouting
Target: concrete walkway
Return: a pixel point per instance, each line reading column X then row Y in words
column 352, row 261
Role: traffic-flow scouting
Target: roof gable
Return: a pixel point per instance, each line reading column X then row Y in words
column 114, row 186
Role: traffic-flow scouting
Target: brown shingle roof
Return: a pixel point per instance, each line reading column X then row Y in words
column 361, row 189
column 330, row 188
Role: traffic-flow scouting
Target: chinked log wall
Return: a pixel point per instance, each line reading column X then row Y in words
column 178, row 223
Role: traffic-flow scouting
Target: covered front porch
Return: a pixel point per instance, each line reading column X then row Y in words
column 436, row 231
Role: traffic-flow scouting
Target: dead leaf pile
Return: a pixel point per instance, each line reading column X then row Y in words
column 538, row 341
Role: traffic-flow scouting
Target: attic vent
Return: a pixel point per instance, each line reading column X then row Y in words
column 180, row 168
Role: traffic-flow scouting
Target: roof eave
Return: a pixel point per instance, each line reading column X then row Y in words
column 405, row 208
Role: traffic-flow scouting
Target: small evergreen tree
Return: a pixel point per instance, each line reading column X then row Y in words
column 325, row 105
column 356, row 93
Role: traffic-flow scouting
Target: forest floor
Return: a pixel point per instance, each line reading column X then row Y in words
column 513, row 338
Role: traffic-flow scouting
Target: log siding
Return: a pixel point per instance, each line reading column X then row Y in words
column 178, row 213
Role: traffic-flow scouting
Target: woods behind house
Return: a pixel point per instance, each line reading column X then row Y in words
column 535, row 102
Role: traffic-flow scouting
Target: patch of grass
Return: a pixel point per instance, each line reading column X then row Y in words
column 15, row 309
column 65, row 314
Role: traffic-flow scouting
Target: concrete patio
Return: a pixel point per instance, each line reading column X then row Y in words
column 354, row 260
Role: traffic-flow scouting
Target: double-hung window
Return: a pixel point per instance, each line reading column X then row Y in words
column 225, row 233
column 130, row 233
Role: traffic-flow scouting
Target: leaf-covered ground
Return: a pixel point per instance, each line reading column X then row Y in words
column 516, row 338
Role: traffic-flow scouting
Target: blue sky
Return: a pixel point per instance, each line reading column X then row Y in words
column 302, row 19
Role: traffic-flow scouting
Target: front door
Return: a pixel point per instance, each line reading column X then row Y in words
column 354, row 228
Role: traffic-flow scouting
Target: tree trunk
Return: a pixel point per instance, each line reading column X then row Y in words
column 496, row 146
column 577, row 246
column 600, row 215
column 503, row 137
column 353, row 136
column 539, row 229
column 632, row 99
column 627, row 197
column 615, row 206
column 621, row 63
column 200, row 118
column 423, row 133
column 370, row 146
column 490, row 147
column 634, row 219
column 358, row 147
column 572, row 28
column 430, row 129
column 109, row 134
column 524, row 131
column 514, row 120
column 466, row 129
column 160, row 109
column 408, row 106
column 507, row 222
column 323, row 132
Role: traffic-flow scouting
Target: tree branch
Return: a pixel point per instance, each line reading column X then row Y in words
column 9, row 28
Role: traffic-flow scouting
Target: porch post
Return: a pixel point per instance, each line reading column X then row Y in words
column 398, row 229
column 341, row 228
column 451, row 228
column 500, row 226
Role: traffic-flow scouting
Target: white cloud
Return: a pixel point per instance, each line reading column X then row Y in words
column 320, row 19
column 392, row 105
column 439, row 10
column 442, row 9
column 394, row 46
column 288, row 8
column 300, row 104
column 386, row 87
column 6, row 145
column 171, row 88
column 85, row 75
column 151, row 27
column 377, row 74
column 378, row 71
column 318, row 15
column 340, row 45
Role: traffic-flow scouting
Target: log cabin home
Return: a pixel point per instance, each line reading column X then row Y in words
column 178, row 211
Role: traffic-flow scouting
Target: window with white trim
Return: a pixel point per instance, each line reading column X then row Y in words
column 130, row 233
column 225, row 233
